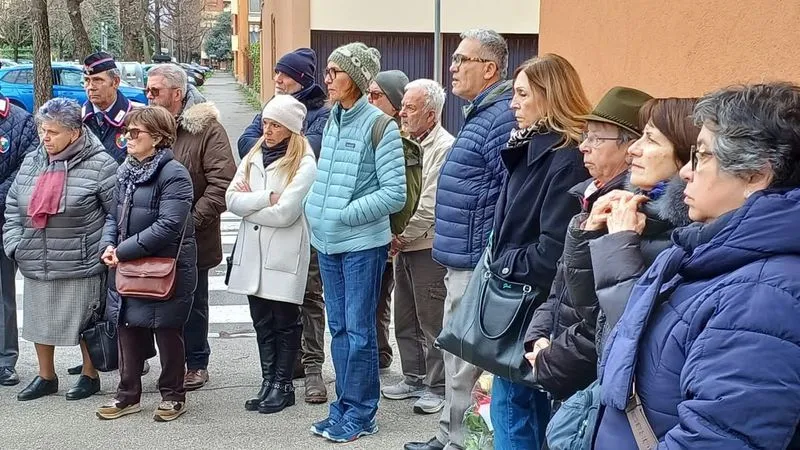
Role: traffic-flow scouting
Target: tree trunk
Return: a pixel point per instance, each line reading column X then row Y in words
column 42, row 71
column 16, row 53
column 132, row 24
column 157, row 25
column 83, row 46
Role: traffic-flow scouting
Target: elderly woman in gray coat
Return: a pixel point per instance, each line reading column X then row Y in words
column 54, row 218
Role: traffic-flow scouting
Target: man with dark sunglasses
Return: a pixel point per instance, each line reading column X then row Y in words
column 106, row 107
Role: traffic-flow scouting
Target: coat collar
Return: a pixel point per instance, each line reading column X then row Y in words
column 432, row 136
column 537, row 148
column 344, row 116
column 115, row 115
column 5, row 106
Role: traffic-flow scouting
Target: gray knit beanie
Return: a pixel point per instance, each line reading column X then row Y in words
column 393, row 84
column 287, row 111
column 360, row 62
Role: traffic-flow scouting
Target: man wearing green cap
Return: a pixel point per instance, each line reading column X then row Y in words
column 568, row 363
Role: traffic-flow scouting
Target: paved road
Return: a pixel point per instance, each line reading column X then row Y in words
column 216, row 417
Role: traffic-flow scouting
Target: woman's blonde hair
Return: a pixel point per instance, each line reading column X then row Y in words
column 558, row 82
column 289, row 164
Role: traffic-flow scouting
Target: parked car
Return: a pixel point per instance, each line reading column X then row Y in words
column 197, row 74
column 4, row 62
column 16, row 83
column 192, row 77
column 132, row 72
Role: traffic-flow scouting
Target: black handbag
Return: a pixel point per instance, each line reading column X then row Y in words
column 101, row 342
column 487, row 327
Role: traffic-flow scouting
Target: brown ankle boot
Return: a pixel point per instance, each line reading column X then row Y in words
column 316, row 392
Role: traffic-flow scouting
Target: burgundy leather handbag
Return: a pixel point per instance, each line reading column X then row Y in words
column 151, row 277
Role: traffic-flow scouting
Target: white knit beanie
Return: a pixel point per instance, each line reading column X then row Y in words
column 287, row 111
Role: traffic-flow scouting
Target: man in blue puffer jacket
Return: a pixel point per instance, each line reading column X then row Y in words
column 469, row 185
column 17, row 137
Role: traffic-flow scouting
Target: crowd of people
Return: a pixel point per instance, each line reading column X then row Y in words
column 652, row 235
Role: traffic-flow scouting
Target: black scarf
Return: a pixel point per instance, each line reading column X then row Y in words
column 272, row 154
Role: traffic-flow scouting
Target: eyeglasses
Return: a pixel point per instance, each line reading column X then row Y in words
column 459, row 59
column 696, row 154
column 331, row 72
column 375, row 95
column 594, row 141
column 133, row 132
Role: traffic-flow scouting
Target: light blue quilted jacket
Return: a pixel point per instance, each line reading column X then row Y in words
column 357, row 187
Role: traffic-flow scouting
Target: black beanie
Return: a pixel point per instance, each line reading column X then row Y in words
column 299, row 65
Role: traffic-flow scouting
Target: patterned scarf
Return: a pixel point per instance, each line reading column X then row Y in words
column 137, row 173
column 521, row 136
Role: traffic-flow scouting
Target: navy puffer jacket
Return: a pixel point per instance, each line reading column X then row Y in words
column 157, row 216
column 18, row 137
column 712, row 334
column 471, row 179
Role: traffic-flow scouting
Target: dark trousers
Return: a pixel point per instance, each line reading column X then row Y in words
column 313, row 317
column 195, row 333
column 418, row 313
column 384, row 314
column 135, row 346
column 9, row 341
column 278, row 331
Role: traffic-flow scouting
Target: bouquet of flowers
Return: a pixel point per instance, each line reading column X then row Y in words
column 480, row 435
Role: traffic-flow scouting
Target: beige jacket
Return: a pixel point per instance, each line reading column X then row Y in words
column 419, row 231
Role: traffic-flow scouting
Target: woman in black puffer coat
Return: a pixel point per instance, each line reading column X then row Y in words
column 607, row 250
column 154, row 202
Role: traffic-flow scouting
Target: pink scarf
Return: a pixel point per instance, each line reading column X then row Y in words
column 49, row 189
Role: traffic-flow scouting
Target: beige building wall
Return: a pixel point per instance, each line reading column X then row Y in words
column 417, row 16
column 285, row 27
column 675, row 47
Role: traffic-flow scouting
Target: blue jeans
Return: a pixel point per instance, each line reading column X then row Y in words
column 351, row 282
column 519, row 415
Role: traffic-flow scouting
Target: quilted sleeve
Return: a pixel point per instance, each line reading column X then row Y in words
column 391, row 195
column 741, row 378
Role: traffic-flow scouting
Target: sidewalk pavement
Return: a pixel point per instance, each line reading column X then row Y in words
column 235, row 113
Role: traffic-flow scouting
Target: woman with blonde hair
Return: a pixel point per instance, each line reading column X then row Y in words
column 270, row 261
column 534, row 208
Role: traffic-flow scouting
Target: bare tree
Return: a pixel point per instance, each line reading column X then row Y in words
column 61, row 39
column 132, row 15
column 83, row 47
column 15, row 26
column 184, row 20
column 42, row 71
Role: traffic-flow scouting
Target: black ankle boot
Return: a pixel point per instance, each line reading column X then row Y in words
column 279, row 398
column 252, row 404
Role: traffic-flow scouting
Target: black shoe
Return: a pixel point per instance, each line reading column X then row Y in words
column 84, row 388
column 38, row 388
column 8, row 376
column 75, row 370
column 384, row 361
column 279, row 398
column 433, row 444
column 252, row 404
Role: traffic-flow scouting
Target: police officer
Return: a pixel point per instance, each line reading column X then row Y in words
column 18, row 137
column 106, row 107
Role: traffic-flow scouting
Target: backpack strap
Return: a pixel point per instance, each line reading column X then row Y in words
column 379, row 129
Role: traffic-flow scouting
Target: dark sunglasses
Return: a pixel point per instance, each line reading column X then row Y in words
column 695, row 155
column 133, row 132
column 154, row 91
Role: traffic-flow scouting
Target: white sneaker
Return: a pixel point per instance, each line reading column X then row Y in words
column 402, row 391
column 429, row 403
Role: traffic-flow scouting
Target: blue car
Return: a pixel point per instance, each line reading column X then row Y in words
column 16, row 83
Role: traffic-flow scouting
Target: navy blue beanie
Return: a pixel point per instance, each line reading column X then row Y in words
column 299, row 65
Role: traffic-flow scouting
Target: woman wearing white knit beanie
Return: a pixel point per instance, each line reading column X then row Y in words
column 269, row 263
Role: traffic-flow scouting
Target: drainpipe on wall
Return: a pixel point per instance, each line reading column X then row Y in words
column 437, row 41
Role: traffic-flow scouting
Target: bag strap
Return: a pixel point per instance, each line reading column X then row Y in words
column 642, row 431
column 183, row 235
column 379, row 129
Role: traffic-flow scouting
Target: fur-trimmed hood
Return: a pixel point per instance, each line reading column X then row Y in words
column 197, row 112
column 669, row 207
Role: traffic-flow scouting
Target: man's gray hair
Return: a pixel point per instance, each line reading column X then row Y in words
column 756, row 128
column 173, row 74
column 114, row 73
column 63, row 111
column 493, row 47
column 434, row 95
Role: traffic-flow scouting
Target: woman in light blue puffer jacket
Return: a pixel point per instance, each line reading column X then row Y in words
column 356, row 189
